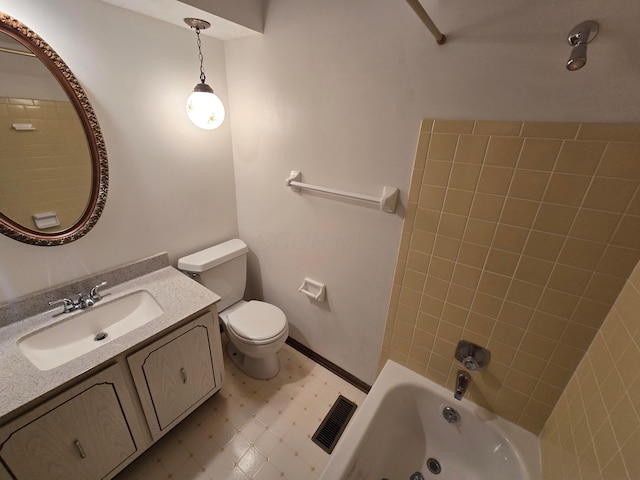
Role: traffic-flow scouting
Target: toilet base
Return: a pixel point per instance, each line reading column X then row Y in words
column 262, row 368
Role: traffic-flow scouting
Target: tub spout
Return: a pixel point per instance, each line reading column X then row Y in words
column 462, row 383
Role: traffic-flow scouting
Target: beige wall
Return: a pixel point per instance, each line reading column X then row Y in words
column 518, row 237
column 594, row 430
column 46, row 169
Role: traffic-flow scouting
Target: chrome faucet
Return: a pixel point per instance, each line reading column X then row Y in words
column 83, row 301
column 462, row 383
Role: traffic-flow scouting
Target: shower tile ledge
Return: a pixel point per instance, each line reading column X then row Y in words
column 23, row 383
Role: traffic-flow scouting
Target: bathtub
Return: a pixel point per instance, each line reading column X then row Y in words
column 400, row 433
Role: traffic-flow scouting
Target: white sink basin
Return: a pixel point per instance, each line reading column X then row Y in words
column 81, row 332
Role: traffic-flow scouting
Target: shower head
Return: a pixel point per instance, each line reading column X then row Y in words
column 578, row 38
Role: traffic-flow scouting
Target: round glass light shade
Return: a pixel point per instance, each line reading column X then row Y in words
column 204, row 108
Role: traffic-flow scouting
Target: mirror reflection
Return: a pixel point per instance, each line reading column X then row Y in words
column 53, row 161
column 45, row 161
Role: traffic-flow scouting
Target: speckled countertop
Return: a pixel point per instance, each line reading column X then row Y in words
column 21, row 382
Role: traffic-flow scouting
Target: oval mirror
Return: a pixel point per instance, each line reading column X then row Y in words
column 53, row 161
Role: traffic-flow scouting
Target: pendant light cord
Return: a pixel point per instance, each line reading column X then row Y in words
column 202, row 77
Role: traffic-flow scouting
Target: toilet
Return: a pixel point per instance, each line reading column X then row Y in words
column 255, row 330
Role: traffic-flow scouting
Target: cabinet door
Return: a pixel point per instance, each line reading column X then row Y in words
column 176, row 373
column 84, row 437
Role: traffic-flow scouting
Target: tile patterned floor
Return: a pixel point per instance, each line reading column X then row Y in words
column 251, row 429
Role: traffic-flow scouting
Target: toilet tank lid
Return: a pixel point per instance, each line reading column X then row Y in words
column 212, row 256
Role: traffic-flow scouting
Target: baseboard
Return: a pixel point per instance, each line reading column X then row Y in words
column 332, row 367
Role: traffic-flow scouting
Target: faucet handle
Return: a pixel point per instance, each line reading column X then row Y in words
column 69, row 306
column 94, row 294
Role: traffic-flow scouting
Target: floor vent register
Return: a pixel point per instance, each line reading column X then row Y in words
column 331, row 428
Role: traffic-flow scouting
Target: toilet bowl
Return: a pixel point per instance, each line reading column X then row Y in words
column 256, row 330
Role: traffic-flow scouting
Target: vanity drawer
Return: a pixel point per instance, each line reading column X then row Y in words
column 85, row 435
column 175, row 374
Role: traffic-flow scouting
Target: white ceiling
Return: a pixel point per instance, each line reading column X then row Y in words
column 174, row 12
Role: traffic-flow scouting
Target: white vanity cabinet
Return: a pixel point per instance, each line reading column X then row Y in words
column 178, row 372
column 86, row 432
column 95, row 428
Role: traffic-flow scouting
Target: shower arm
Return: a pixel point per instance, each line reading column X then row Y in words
column 426, row 19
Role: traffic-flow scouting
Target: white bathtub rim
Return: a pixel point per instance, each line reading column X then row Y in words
column 524, row 443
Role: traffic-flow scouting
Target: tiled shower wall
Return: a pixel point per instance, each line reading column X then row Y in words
column 518, row 236
column 594, row 430
column 46, row 169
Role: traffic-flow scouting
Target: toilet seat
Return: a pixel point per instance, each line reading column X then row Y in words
column 257, row 322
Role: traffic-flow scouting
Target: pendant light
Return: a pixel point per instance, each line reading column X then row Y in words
column 204, row 108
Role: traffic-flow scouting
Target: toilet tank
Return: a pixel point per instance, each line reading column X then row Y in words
column 222, row 269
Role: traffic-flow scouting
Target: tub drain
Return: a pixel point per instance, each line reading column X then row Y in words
column 100, row 336
column 434, row 466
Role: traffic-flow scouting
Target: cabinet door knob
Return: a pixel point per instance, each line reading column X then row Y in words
column 80, row 449
column 184, row 375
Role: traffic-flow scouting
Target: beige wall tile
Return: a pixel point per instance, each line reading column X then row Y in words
column 483, row 127
column 529, row 184
column 567, row 189
column 473, row 255
column 431, row 197
column 480, row 231
column 422, row 241
column 534, row 270
column 521, row 241
column 441, row 268
column 446, row 247
column 550, row 130
column 609, row 133
column 610, row 194
column 618, row 261
column 620, row 161
column 436, row 173
column 499, row 261
column 466, row 276
column 442, row 146
column 515, row 314
column 519, row 212
column 464, row 176
column 544, row 245
column 503, row 151
column 458, row 201
column 427, row 219
column 487, row 207
column 426, row 125
column 471, row 148
column 495, row 180
column 539, row 154
column 580, row 157
column 570, row 279
column 611, row 407
column 595, row 225
column 628, row 232
column 436, row 287
column 581, row 253
column 590, row 312
column 510, row 238
column 555, row 218
column 604, row 288
column 452, row 226
column 453, row 126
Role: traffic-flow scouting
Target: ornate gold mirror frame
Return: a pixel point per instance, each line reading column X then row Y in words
column 99, row 177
